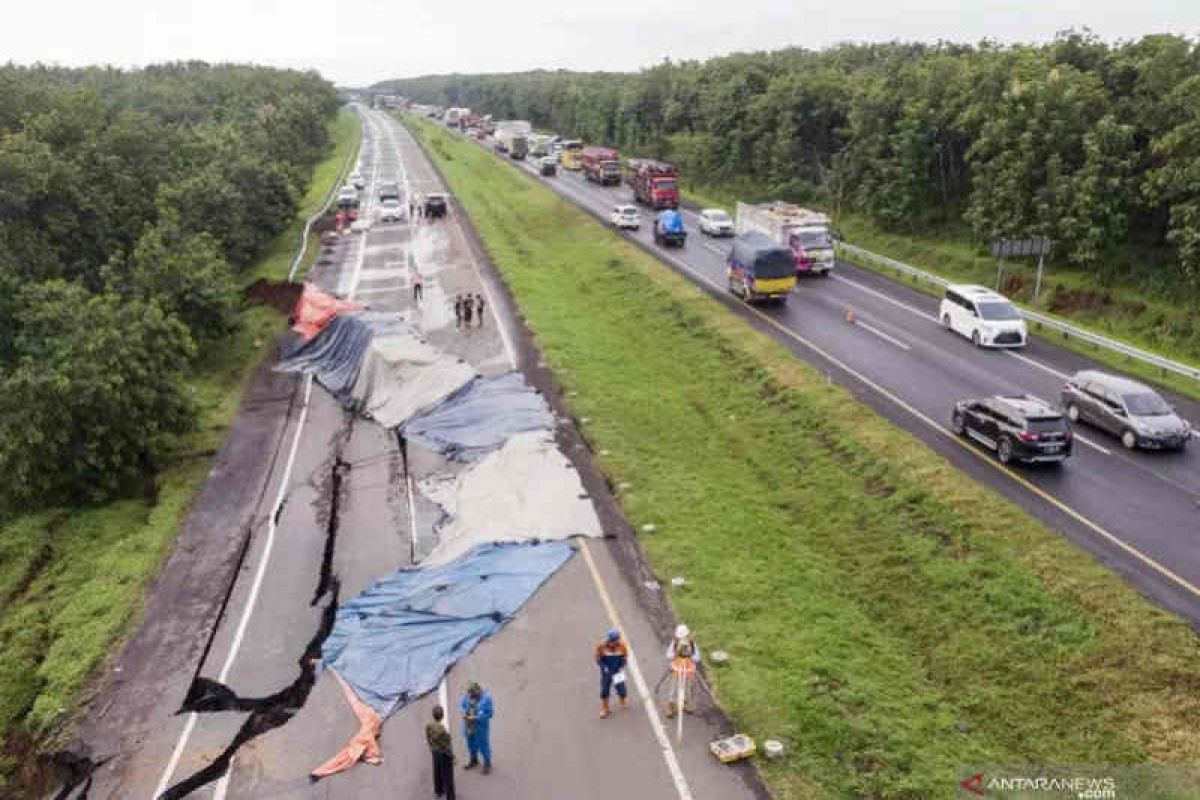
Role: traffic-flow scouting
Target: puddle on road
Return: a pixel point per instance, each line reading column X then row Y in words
column 437, row 310
column 429, row 247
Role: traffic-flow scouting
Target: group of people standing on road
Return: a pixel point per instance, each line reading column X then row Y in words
column 468, row 307
column 477, row 709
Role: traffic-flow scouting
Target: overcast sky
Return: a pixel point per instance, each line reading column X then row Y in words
column 357, row 43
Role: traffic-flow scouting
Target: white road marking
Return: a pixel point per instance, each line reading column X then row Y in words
column 177, row 753
column 715, row 249
column 1092, row 444
column 223, row 785
column 381, row 289
column 639, row 681
column 885, row 336
column 885, row 298
column 1033, row 363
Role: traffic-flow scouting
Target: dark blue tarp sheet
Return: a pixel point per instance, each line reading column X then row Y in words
column 481, row 417
column 333, row 356
column 395, row 641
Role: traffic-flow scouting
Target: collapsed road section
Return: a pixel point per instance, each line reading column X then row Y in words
column 434, row 447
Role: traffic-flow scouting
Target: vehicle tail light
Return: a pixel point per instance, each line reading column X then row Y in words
column 1027, row 436
column 1068, row 436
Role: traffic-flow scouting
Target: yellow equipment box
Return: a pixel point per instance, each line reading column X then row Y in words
column 734, row 748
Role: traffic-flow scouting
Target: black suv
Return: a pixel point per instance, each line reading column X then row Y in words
column 1018, row 428
column 435, row 205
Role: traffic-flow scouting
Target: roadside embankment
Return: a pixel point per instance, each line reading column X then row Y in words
column 72, row 579
column 893, row 622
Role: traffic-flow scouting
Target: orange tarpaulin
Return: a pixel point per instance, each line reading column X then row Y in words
column 316, row 308
column 364, row 746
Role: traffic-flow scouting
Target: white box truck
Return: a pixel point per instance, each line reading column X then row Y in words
column 805, row 231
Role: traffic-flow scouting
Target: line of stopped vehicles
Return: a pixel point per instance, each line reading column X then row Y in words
column 775, row 243
column 393, row 205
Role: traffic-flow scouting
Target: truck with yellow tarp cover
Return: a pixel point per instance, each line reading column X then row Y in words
column 759, row 268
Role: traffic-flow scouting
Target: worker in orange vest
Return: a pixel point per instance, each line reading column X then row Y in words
column 611, row 656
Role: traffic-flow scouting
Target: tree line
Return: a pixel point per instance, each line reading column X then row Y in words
column 1096, row 145
column 129, row 202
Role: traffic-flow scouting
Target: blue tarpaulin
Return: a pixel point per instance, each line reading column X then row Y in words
column 395, row 641
column 481, row 417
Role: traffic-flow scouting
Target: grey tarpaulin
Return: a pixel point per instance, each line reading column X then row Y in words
column 480, row 417
column 377, row 364
column 526, row 490
column 396, row 640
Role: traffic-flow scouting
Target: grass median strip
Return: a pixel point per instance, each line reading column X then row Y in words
column 71, row 579
column 892, row 621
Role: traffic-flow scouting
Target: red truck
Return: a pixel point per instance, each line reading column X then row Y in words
column 654, row 183
column 602, row 165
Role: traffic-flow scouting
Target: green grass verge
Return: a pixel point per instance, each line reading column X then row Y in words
column 892, row 621
column 72, row 579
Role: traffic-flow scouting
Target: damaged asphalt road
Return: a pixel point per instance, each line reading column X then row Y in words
column 236, row 708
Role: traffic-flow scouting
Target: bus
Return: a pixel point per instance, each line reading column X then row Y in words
column 572, row 154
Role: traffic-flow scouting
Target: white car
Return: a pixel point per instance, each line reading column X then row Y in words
column 391, row 210
column 716, row 222
column 985, row 317
column 358, row 180
column 626, row 217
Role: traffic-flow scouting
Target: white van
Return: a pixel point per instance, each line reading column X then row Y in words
column 985, row 317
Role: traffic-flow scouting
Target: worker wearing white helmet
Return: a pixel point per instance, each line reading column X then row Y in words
column 683, row 656
column 683, row 645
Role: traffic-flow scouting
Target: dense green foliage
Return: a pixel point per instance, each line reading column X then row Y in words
column 1095, row 145
column 128, row 203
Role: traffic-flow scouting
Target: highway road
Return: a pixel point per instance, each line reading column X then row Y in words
column 338, row 512
column 1136, row 511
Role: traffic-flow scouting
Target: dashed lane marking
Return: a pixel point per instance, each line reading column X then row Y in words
column 885, row 336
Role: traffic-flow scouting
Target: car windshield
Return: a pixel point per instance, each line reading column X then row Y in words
column 815, row 240
column 718, row 216
column 998, row 311
column 664, row 184
column 1146, row 404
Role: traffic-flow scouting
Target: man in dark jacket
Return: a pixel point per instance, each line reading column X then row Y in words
column 438, row 738
column 479, row 304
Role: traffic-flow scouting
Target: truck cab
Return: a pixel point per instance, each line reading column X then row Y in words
column 654, row 183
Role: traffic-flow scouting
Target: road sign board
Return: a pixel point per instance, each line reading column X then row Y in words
column 1036, row 246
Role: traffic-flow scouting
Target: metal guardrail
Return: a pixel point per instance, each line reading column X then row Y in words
column 320, row 212
column 1041, row 320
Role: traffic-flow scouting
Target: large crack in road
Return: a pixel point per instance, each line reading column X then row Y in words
column 206, row 696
